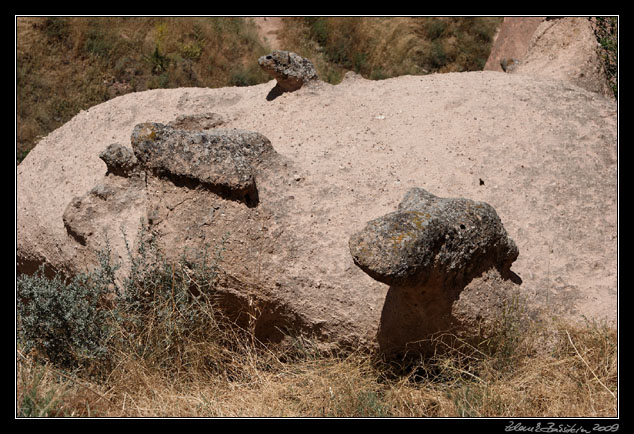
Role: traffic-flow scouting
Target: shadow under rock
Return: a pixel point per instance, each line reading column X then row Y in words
column 414, row 317
column 274, row 93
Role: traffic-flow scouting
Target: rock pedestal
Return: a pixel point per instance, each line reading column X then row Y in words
column 428, row 251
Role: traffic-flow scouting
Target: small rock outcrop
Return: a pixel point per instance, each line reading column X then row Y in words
column 559, row 48
column 221, row 160
column 428, row 251
column 290, row 70
column 119, row 160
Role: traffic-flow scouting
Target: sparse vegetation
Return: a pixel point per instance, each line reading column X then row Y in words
column 380, row 48
column 165, row 350
column 606, row 31
column 68, row 64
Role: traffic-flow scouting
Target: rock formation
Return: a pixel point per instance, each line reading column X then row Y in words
column 341, row 156
column 561, row 49
column 428, row 251
column 290, row 70
column 220, row 160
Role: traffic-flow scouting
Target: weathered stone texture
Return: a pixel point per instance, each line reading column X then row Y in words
column 429, row 251
column 290, row 70
column 430, row 236
column 221, row 160
column 119, row 160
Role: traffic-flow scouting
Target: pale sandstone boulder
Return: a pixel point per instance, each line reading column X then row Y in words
column 559, row 48
column 542, row 153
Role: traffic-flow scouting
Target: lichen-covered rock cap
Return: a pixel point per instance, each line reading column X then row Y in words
column 223, row 160
column 289, row 69
column 432, row 237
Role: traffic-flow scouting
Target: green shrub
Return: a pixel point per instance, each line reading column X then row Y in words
column 158, row 62
column 158, row 309
column 65, row 321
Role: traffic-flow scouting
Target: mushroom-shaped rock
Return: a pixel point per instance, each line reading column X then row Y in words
column 290, row 70
column 429, row 251
column 429, row 237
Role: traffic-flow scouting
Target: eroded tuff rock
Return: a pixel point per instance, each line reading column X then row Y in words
column 191, row 189
column 291, row 250
column 221, row 160
column 290, row 70
column 86, row 216
column 429, row 251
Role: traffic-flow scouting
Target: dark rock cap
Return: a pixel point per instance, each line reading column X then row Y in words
column 289, row 69
column 450, row 240
column 221, row 160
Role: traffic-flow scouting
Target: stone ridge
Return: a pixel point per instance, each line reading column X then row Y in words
column 220, row 160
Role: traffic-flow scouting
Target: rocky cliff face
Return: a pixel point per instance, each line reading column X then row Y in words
column 564, row 49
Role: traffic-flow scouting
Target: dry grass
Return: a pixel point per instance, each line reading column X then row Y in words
column 171, row 354
column 380, row 47
column 575, row 376
column 68, row 64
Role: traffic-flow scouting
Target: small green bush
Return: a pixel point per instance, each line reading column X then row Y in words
column 64, row 321
column 160, row 307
